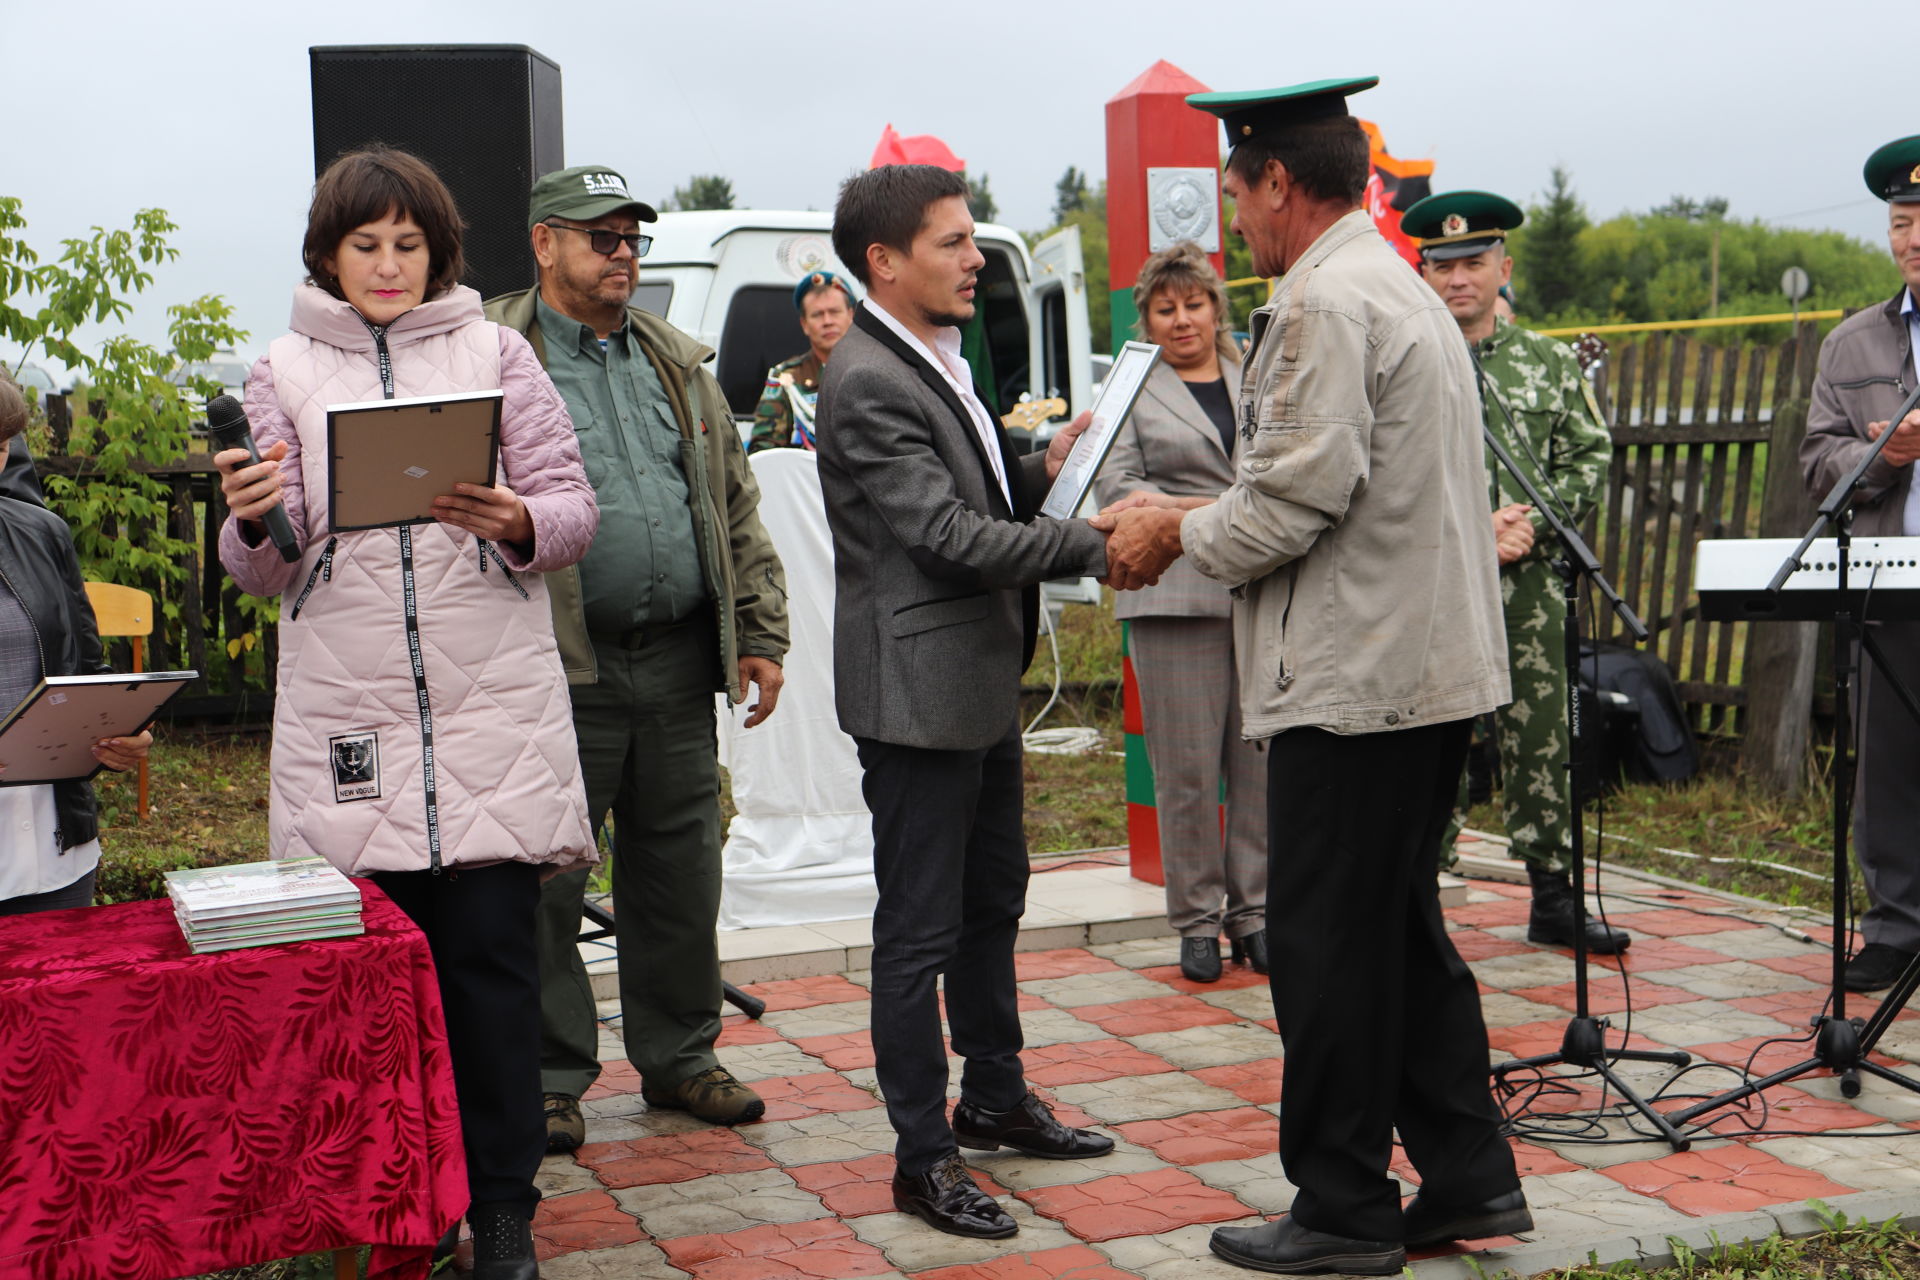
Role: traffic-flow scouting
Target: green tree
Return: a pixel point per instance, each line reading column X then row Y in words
column 980, row 199
column 122, row 518
column 1645, row 267
column 1091, row 218
column 703, row 191
column 1069, row 194
column 1548, row 266
column 1241, row 299
column 1687, row 207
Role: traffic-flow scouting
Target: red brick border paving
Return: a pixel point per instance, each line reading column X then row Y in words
column 820, row 1249
column 1134, row 1204
column 1723, row 1180
column 582, row 1220
column 1073, row 1262
column 1156, row 1013
column 674, row 1157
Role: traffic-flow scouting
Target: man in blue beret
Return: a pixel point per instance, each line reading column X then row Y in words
column 1538, row 405
column 1868, row 365
column 1356, row 538
column 784, row 417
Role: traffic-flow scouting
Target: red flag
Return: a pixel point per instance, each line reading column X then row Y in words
column 922, row 148
column 1393, row 187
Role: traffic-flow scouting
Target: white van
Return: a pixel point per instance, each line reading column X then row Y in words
column 727, row 278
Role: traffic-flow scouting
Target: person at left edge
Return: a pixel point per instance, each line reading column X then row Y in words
column 52, row 848
column 420, row 735
column 680, row 596
column 825, row 303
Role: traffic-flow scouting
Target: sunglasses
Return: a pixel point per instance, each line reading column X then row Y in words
column 605, row 242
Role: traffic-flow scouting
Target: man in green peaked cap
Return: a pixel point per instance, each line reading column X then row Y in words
column 1867, row 368
column 1357, row 540
column 1538, row 405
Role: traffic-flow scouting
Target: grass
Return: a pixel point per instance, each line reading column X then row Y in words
column 1844, row 1249
column 208, row 806
column 1718, row 830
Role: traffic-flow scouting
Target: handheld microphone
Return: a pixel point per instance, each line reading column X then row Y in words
column 227, row 424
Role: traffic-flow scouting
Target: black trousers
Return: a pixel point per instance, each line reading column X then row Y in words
column 1886, row 794
column 950, row 858
column 479, row 925
column 1379, row 1015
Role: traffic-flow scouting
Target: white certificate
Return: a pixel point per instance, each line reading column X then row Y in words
column 1117, row 394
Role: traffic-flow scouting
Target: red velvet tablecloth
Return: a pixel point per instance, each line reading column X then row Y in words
column 164, row 1114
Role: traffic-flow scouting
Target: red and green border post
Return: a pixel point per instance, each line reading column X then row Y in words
column 1149, row 126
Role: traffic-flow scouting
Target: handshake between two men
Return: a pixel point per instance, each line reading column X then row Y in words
column 1143, row 536
column 1143, row 529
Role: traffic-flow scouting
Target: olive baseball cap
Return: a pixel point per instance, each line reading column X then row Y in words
column 584, row 192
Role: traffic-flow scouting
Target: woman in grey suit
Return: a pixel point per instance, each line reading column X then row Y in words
column 1180, row 440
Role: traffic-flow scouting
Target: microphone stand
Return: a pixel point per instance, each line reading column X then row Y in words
column 1841, row 1044
column 1584, row 1043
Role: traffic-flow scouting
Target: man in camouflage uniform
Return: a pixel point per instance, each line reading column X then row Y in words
column 1564, row 447
column 825, row 304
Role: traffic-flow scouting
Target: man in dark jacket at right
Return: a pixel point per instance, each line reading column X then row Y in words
column 1867, row 368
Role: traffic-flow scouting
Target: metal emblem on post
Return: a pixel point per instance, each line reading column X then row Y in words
column 1183, row 204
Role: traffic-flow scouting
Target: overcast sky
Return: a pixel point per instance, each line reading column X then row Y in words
column 203, row 108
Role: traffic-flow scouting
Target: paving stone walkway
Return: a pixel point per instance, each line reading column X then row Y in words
column 1186, row 1079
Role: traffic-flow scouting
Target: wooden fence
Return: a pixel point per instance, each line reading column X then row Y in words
column 1694, row 429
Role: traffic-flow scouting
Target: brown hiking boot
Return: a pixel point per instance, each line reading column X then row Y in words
column 566, row 1127
column 713, row 1095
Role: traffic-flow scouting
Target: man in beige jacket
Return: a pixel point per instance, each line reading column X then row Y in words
column 1368, row 626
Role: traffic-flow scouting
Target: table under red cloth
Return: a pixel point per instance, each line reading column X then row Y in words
column 164, row 1114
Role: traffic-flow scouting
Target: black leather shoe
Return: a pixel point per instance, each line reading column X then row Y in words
column 1877, row 967
column 1286, row 1247
column 1200, row 959
column 1552, row 918
column 1029, row 1128
column 1504, row 1215
column 947, row 1199
column 1252, row 950
column 502, row 1243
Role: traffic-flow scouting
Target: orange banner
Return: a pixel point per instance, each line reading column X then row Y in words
column 1393, row 187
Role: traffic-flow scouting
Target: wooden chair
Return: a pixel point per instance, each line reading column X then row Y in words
column 125, row 611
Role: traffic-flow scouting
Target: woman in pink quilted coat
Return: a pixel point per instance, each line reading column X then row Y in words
column 422, row 733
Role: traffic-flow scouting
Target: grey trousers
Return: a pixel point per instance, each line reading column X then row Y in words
column 1886, row 813
column 647, row 755
column 1190, row 709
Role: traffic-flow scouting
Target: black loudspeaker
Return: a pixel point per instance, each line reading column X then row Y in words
column 485, row 116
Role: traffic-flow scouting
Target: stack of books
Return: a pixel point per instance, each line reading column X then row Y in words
column 255, row 904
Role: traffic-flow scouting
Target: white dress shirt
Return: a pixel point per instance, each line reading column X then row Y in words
column 31, row 860
column 945, row 357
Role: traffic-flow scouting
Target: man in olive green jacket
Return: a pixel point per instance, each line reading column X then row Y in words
column 681, row 595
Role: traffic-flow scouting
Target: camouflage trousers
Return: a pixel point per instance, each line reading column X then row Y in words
column 1531, row 731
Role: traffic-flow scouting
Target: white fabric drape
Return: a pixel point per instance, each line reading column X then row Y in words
column 800, row 848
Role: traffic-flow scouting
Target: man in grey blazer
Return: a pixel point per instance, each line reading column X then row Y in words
column 937, row 557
